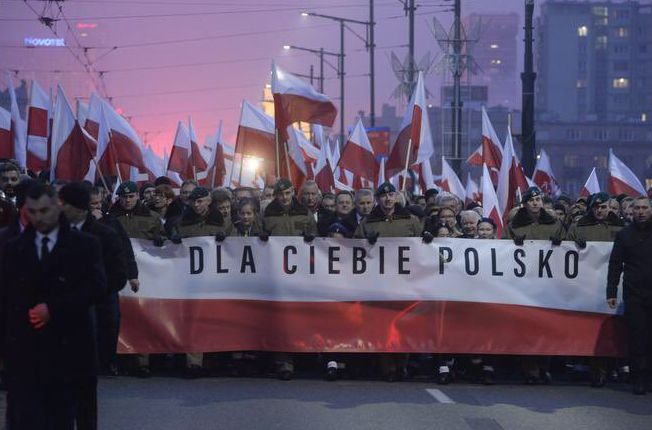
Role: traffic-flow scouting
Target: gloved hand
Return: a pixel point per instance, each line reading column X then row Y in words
column 308, row 237
column 219, row 237
column 158, row 241
column 176, row 239
column 372, row 237
column 264, row 236
column 427, row 237
column 556, row 241
column 581, row 243
column 519, row 240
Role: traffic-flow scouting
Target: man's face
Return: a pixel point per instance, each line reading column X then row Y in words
column 73, row 214
column 128, row 201
column 225, row 209
column 95, row 203
column 447, row 216
column 160, row 201
column 469, row 227
column 421, row 201
column 148, row 195
column 310, row 196
column 242, row 194
column 247, row 215
column 284, row 198
column 328, row 204
column 386, row 201
column 364, row 205
column 201, row 205
column 486, row 231
column 8, row 182
column 600, row 211
column 450, row 204
column 343, row 204
column 561, row 215
column 268, row 193
column 185, row 193
column 642, row 211
column 43, row 213
column 534, row 205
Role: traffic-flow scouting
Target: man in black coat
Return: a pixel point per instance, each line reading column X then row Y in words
column 632, row 254
column 48, row 283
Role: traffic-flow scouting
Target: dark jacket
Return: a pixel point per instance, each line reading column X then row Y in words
column 69, row 282
column 125, row 242
column 113, row 253
column 632, row 254
column 8, row 233
column 400, row 224
column 240, row 230
column 140, row 222
column 193, row 225
column 350, row 221
column 293, row 221
column 524, row 225
column 8, row 213
column 590, row 229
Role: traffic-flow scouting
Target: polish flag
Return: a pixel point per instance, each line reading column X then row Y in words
column 622, row 180
column 543, row 176
column 490, row 151
column 472, row 191
column 255, row 138
column 426, row 178
column 358, row 156
column 17, row 151
column 414, row 132
column 73, row 148
column 82, row 112
column 592, row 186
column 196, row 162
column 180, row 154
column 490, row 206
column 38, row 123
column 6, row 144
column 173, row 176
column 511, row 179
column 299, row 167
column 324, row 171
column 216, row 171
column 450, row 181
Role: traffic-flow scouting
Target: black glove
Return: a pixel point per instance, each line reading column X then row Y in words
column 219, row 237
column 176, row 239
column 427, row 237
column 264, row 236
column 519, row 240
column 581, row 243
column 308, row 237
column 158, row 241
column 372, row 237
column 555, row 240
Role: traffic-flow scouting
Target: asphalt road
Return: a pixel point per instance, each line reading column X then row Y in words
column 163, row 403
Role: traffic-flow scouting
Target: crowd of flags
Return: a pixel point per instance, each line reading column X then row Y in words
column 97, row 142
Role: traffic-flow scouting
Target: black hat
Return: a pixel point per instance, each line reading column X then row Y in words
column 144, row 187
column 282, row 185
column 431, row 192
column 529, row 193
column 598, row 199
column 162, row 180
column 128, row 187
column 76, row 195
column 385, row 188
column 488, row 221
column 338, row 227
column 198, row 193
column 564, row 198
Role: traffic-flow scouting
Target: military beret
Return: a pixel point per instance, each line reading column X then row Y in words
column 529, row 193
column 198, row 193
column 162, row 180
column 282, row 185
column 431, row 192
column 564, row 198
column 385, row 188
column 128, row 187
column 76, row 195
column 598, row 198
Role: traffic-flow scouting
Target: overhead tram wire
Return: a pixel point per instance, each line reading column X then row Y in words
column 296, row 5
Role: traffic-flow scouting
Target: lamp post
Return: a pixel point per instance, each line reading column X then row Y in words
column 320, row 53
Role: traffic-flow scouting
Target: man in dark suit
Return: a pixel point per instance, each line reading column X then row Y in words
column 49, row 281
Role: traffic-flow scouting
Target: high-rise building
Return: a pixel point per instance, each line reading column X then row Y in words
column 594, row 61
column 495, row 52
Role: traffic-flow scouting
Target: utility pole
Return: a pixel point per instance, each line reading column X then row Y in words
column 457, row 90
column 528, row 134
column 410, row 8
column 372, row 77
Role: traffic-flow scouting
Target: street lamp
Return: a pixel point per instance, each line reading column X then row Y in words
column 320, row 53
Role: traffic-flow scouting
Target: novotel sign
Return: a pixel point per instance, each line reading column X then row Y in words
column 37, row 41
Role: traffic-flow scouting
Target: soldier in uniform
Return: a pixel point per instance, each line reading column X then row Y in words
column 389, row 219
column 285, row 216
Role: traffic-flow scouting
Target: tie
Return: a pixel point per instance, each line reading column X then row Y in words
column 45, row 251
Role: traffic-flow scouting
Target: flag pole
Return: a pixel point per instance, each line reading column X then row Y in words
column 117, row 168
column 99, row 172
column 287, row 161
column 407, row 164
column 278, row 157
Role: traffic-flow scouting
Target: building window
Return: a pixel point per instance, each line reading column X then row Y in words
column 581, row 83
column 620, row 83
column 621, row 49
column 622, row 32
column 600, row 135
column 494, row 46
column 582, row 31
column 570, row 160
column 601, row 42
column 600, row 161
column 496, row 62
column 648, row 162
column 643, row 118
column 625, row 135
column 600, row 11
column 572, row 134
column 621, row 66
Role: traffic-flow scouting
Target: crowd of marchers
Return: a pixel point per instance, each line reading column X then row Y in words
column 161, row 212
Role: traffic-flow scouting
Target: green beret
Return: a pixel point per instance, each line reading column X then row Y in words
column 598, row 199
column 198, row 193
column 531, row 192
column 128, row 187
column 282, row 185
column 385, row 188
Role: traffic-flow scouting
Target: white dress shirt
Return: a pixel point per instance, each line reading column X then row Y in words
column 38, row 241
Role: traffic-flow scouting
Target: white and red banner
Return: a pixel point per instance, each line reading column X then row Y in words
column 399, row 295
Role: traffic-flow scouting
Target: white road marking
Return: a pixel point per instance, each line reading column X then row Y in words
column 440, row 396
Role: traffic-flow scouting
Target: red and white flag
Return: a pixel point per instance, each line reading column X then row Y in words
column 255, row 138
column 490, row 206
column 299, row 167
column 180, row 154
column 414, row 132
column 18, row 151
column 450, row 181
column 622, row 180
column 6, row 144
column 592, row 186
column 324, row 171
column 82, row 112
column 490, row 151
column 196, row 163
column 358, row 156
column 38, row 128
column 73, row 148
column 214, row 175
column 543, row 176
column 472, row 191
column 512, row 179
